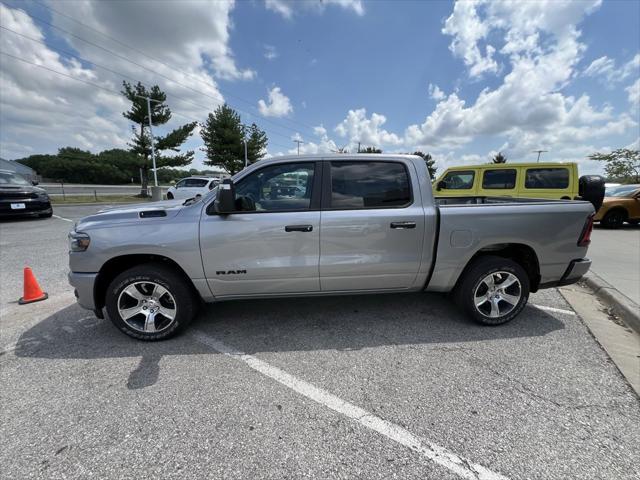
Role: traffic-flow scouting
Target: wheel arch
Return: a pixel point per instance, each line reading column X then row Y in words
column 524, row 255
column 115, row 266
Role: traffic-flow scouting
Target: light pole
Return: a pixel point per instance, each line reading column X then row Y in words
column 245, row 152
column 298, row 142
column 153, row 149
column 539, row 152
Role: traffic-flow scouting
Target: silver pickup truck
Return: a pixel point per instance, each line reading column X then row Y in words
column 323, row 225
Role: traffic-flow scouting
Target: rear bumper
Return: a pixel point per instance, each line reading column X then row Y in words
column 574, row 272
column 83, row 284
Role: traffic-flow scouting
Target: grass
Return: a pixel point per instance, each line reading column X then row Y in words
column 98, row 199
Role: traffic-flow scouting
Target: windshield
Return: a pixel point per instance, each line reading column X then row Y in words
column 621, row 191
column 9, row 178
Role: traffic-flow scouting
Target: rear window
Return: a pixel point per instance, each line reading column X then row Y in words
column 543, row 178
column 460, row 180
column 369, row 185
column 499, row 179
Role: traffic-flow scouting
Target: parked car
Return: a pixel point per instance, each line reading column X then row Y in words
column 20, row 197
column 192, row 187
column 363, row 224
column 621, row 204
column 521, row 180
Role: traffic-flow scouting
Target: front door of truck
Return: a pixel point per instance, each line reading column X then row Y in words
column 372, row 226
column 272, row 245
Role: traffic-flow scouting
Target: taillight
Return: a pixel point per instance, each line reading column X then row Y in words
column 585, row 237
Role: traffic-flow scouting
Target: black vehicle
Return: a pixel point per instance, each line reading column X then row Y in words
column 19, row 197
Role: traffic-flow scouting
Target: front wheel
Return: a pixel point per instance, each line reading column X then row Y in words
column 494, row 290
column 614, row 219
column 169, row 196
column 150, row 302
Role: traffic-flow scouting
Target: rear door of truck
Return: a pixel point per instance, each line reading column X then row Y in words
column 372, row 225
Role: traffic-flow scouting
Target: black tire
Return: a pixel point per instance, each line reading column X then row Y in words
column 472, row 282
column 591, row 188
column 142, row 277
column 169, row 196
column 614, row 218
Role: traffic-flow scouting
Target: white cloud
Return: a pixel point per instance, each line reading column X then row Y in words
column 356, row 127
column 435, row 93
column 270, row 52
column 67, row 109
column 279, row 104
column 634, row 93
column 320, row 130
column 286, row 8
column 468, row 30
column 604, row 68
column 528, row 107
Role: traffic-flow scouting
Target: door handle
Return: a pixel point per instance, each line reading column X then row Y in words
column 298, row 228
column 403, row 225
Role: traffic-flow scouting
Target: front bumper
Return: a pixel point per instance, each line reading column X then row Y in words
column 33, row 207
column 83, row 284
column 574, row 272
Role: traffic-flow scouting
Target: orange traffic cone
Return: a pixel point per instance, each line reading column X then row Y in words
column 32, row 291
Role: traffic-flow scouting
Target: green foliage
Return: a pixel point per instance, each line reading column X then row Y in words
column 499, row 158
column 621, row 164
column 370, row 150
column 430, row 163
column 223, row 135
column 73, row 165
column 160, row 114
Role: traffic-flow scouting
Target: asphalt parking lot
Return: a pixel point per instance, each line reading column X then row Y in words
column 385, row 386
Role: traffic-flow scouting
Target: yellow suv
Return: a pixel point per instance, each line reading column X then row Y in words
column 532, row 180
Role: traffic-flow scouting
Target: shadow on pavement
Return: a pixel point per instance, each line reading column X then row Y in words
column 298, row 324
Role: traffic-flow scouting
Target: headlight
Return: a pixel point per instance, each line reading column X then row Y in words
column 78, row 241
column 43, row 196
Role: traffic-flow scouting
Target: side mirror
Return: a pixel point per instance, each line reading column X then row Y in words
column 226, row 197
column 441, row 185
column 34, row 183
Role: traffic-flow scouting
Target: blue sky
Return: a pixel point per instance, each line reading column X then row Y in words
column 461, row 81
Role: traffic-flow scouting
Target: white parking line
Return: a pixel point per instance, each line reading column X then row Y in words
column 62, row 218
column 552, row 309
column 460, row 466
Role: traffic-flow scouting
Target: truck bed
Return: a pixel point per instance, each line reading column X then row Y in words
column 445, row 201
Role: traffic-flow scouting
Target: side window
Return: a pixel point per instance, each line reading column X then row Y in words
column 499, row 179
column 276, row 188
column 459, row 180
column 181, row 183
column 369, row 185
column 553, row 178
column 196, row 182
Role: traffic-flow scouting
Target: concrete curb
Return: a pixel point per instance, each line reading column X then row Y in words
column 622, row 305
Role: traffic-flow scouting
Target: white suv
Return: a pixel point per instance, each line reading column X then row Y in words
column 192, row 187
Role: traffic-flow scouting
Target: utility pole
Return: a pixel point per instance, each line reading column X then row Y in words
column 298, row 142
column 358, row 147
column 245, row 152
column 153, row 149
column 539, row 152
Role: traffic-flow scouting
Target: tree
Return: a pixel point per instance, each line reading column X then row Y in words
column 223, row 135
column 141, row 142
column 622, row 164
column 370, row 150
column 430, row 162
column 499, row 158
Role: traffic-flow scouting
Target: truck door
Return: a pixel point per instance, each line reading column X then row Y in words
column 372, row 226
column 272, row 246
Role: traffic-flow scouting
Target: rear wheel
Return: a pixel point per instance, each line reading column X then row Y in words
column 169, row 196
column 150, row 302
column 614, row 219
column 494, row 290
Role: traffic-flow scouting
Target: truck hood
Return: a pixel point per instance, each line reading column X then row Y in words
column 126, row 214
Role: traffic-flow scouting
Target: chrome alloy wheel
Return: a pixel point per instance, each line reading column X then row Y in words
column 497, row 294
column 147, row 307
